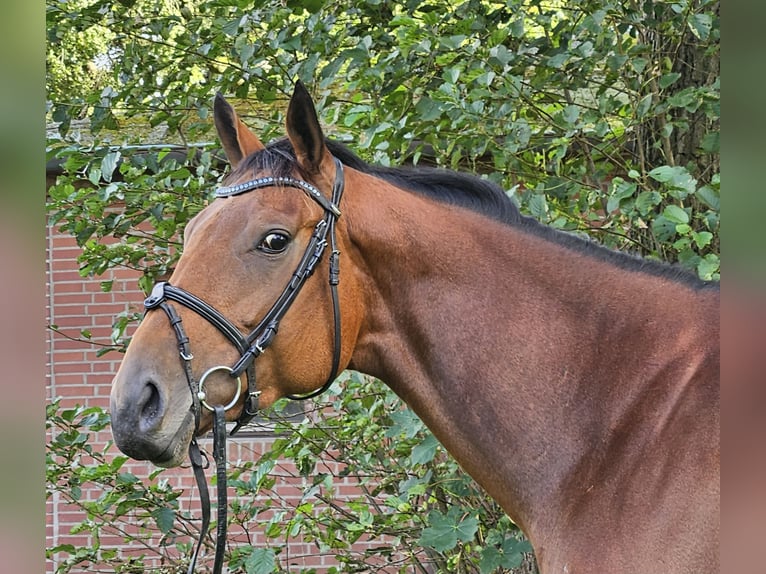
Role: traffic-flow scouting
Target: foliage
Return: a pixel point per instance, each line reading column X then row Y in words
column 572, row 106
column 599, row 117
column 142, row 203
column 128, row 508
column 407, row 496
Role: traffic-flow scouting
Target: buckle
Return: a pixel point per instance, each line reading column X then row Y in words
column 157, row 295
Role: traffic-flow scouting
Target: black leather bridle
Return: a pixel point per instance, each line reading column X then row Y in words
column 252, row 345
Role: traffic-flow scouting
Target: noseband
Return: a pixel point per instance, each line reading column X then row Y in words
column 252, row 345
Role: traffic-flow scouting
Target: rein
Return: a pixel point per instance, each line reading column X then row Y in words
column 249, row 346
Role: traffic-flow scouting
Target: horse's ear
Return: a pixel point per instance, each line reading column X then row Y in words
column 305, row 133
column 236, row 138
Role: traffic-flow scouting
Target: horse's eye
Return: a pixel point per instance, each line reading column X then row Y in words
column 274, row 242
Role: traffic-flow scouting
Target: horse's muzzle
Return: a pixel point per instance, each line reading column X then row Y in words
column 142, row 428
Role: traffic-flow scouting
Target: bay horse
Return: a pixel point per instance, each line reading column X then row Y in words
column 577, row 385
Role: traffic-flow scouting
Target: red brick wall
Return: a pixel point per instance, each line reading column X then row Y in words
column 77, row 376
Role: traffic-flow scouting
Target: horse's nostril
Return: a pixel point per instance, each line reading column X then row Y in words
column 151, row 404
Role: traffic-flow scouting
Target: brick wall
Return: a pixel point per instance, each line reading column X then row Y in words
column 77, row 376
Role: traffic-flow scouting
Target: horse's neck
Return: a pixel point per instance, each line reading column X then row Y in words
column 495, row 338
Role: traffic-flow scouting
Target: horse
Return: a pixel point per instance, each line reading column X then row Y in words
column 579, row 386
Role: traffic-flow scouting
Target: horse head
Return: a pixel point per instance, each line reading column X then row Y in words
column 250, row 315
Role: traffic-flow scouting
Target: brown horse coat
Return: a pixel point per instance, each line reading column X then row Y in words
column 578, row 386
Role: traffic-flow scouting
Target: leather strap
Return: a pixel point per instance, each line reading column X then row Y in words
column 219, row 454
column 198, row 466
column 334, row 280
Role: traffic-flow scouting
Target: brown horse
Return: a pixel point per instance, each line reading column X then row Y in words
column 579, row 386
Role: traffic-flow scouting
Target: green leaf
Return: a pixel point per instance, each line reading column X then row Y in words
column 639, row 64
column 490, row 560
column 428, row 109
column 517, row 28
column 644, row 106
column 711, row 142
column 440, row 536
column 663, row 228
column 668, row 79
column 445, row 530
column 558, row 60
column 108, row 164
column 164, row 517
column 616, row 61
column 701, row 25
column 513, row 551
column 404, row 423
column 570, row 114
column 538, row 206
column 94, row 174
column 452, row 74
column 702, row 238
column 127, row 478
column 662, row 174
column 261, row 561
column 709, row 197
column 231, row 27
column 622, row 190
column 676, row 178
column 425, row 451
column 452, row 42
column 675, row 214
column 466, row 528
column 708, row 266
column 647, row 201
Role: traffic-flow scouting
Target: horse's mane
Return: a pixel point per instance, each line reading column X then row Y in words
column 468, row 191
column 442, row 185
